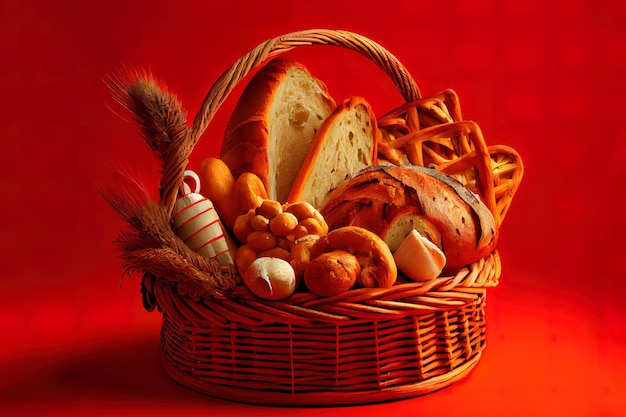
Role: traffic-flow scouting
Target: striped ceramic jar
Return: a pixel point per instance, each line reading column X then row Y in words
column 197, row 223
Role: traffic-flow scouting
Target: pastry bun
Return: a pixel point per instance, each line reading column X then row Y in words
column 378, row 268
column 332, row 273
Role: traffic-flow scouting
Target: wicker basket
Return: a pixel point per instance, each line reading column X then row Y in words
column 367, row 345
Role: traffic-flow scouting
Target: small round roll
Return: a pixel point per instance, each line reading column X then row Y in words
column 332, row 273
column 270, row 278
column 378, row 268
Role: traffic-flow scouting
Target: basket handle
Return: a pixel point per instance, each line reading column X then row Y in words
column 271, row 48
column 173, row 170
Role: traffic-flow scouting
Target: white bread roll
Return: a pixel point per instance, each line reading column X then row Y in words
column 270, row 278
column 418, row 258
column 345, row 144
column 273, row 124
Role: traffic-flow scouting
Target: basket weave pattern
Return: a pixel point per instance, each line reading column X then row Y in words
column 362, row 346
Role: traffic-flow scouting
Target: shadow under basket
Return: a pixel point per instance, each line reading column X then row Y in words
column 366, row 345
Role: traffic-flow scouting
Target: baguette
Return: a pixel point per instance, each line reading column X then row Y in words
column 345, row 144
column 373, row 197
column 273, row 124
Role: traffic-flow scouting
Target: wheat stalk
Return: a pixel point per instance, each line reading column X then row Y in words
column 162, row 122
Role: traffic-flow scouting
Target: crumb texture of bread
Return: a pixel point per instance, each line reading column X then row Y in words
column 345, row 144
column 295, row 117
column 274, row 123
column 401, row 226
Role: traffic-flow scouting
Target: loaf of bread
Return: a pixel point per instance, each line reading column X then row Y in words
column 274, row 123
column 375, row 196
column 345, row 144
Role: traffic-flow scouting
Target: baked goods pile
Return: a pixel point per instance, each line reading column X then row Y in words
column 310, row 198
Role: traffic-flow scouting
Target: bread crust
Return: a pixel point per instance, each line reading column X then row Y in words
column 332, row 273
column 374, row 196
column 246, row 141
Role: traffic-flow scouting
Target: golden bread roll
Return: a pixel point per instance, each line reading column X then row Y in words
column 378, row 268
column 303, row 210
column 375, row 195
column 244, row 257
column 418, row 258
column 248, row 192
column 332, row 273
column 273, row 124
column 278, row 231
column 217, row 184
column 301, row 254
column 269, row 208
column 244, row 226
column 283, row 223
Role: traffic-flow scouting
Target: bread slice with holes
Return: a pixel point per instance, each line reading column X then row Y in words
column 273, row 124
column 346, row 143
column 407, row 219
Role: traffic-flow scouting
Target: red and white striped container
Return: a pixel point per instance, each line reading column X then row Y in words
column 197, row 223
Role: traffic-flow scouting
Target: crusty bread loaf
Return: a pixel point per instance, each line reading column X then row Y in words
column 375, row 196
column 345, row 144
column 273, row 124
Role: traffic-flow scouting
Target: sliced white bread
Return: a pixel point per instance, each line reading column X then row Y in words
column 346, row 143
column 418, row 258
column 274, row 123
column 408, row 219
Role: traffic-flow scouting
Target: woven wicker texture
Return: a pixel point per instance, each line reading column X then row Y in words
column 362, row 346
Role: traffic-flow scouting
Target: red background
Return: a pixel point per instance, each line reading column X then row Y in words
column 545, row 77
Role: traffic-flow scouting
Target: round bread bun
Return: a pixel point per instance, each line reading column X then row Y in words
column 418, row 258
column 378, row 268
column 332, row 273
column 270, row 278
